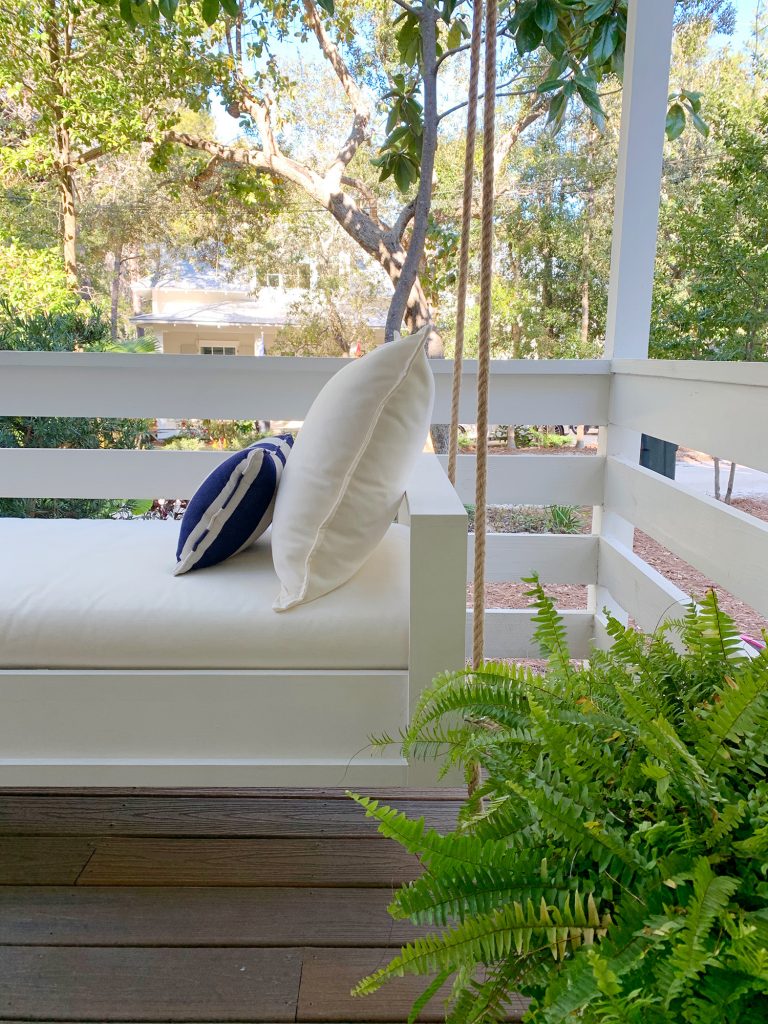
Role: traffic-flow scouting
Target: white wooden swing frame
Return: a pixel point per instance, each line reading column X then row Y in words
column 182, row 728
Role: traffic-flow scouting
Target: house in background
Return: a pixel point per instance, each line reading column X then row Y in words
column 202, row 311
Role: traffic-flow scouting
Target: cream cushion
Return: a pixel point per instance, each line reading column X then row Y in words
column 102, row 594
column 348, row 470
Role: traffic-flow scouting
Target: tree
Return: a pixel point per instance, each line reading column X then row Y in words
column 79, row 83
column 563, row 51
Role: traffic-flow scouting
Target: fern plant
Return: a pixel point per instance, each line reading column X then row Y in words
column 616, row 868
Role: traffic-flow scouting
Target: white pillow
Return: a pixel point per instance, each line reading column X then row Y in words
column 347, row 473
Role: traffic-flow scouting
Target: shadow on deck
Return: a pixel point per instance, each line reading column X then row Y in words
column 218, row 905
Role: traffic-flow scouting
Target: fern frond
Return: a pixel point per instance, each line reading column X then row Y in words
column 491, row 938
column 741, row 707
column 569, row 822
column 431, row 990
column 690, row 952
column 550, row 634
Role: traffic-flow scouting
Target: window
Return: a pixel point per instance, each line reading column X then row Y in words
column 218, row 350
column 273, row 280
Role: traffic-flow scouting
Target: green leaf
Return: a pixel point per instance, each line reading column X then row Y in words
column 455, row 35
column 327, row 6
column 528, row 36
column 168, row 8
column 211, row 11
column 231, row 7
column 404, row 173
column 126, row 12
column 141, row 12
column 545, row 15
column 604, row 42
column 700, row 124
column 675, row 122
column 597, row 10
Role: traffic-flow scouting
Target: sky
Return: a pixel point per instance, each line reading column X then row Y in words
column 227, row 129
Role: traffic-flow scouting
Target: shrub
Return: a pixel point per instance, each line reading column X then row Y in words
column 616, row 868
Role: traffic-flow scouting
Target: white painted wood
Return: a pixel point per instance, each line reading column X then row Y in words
column 49, row 773
column 650, row 598
column 532, row 479
column 749, row 374
column 724, row 417
column 197, row 717
column 103, row 473
column 438, row 545
column 635, row 224
column 109, row 384
column 724, row 543
column 509, row 632
column 557, row 558
column 638, row 180
column 438, row 526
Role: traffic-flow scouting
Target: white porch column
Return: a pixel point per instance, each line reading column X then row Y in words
column 638, row 179
column 635, row 226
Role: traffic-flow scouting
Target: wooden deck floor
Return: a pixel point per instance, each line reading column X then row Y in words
column 209, row 906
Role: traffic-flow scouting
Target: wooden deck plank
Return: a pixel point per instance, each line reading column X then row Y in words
column 43, row 861
column 328, row 976
column 192, row 816
column 82, row 984
column 128, row 916
column 350, row 863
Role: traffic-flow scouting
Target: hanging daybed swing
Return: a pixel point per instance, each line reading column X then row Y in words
column 112, row 673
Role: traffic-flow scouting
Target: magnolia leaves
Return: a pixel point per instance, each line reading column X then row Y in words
column 685, row 104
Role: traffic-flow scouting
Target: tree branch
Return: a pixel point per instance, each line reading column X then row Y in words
column 369, row 196
column 404, row 218
column 360, row 132
column 88, row 155
column 535, row 110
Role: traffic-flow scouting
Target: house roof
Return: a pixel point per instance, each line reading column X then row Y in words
column 188, row 276
column 248, row 313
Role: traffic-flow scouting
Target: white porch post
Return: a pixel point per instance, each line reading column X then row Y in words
column 635, row 225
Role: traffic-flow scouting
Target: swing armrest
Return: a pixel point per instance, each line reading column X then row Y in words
column 431, row 495
column 438, row 566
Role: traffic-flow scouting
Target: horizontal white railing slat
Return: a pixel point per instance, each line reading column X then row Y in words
column 728, row 545
column 509, row 633
column 557, row 558
column 638, row 587
column 279, row 388
column 718, row 408
column 125, row 473
column 534, row 479
column 102, row 473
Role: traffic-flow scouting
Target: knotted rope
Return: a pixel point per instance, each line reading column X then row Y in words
column 484, row 342
column 466, row 224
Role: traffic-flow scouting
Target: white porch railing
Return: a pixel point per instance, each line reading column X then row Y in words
column 715, row 407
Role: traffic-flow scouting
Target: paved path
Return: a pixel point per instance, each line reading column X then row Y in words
column 699, row 478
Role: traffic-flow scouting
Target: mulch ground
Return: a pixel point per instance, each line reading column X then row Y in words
column 683, row 575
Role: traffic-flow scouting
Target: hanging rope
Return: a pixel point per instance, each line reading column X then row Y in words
column 484, row 343
column 466, row 224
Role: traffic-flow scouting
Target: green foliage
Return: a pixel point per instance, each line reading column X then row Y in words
column 71, row 331
column 565, row 519
column 710, row 294
column 33, row 279
column 613, row 864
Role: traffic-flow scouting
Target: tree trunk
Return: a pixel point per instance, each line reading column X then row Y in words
column 69, row 225
column 716, row 464
column 117, row 266
column 585, row 265
column 409, row 268
column 729, row 488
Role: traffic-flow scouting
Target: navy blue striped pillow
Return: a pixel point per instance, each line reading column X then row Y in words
column 233, row 506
